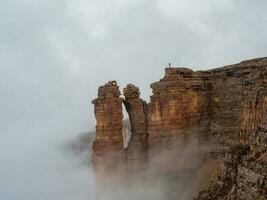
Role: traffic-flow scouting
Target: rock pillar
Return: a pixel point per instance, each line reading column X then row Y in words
column 137, row 110
column 108, row 158
column 108, row 113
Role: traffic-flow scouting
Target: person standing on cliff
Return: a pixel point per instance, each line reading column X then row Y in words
column 169, row 64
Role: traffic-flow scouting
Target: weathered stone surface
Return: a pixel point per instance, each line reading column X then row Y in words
column 229, row 102
column 108, row 158
column 229, row 96
column 244, row 173
column 243, row 176
column 225, row 100
column 258, row 139
column 108, row 113
column 137, row 110
column 218, row 100
column 254, row 102
column 179, row 102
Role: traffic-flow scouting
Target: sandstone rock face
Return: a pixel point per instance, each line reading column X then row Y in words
column 180, row 101
column 229, row 102
column 217, row 100
column 226, row 99
column 254, row 102
column 235, row 87
column 108, row 155
column 222, row 187
column 258, row 139
column 251, row 180
column 243, row 176
column 137, row 110
column 244, row 173
column 108, row 113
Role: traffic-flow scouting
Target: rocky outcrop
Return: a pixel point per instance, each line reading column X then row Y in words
column 226, row 98
column 108, row 155
column 224, row 101
column 244, row 175
column 137, row 110
column 229, row 102
column 216, row 100
column 228, row 174
column 233, row 87
column 254, row 102
column 251, row 180
column 180, row 101
column 108, row 113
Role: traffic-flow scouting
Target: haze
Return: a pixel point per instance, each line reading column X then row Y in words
column 55, row 53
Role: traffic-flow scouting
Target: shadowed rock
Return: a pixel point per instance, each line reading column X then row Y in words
column 137, row 110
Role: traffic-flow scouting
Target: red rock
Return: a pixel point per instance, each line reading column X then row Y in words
column 108, row 113
column 137, row 110
column 180, row 101
column 229, row 101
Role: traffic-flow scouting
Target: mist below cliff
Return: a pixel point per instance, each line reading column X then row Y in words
column 168, row 173
column 48, row 166
column 42, row 166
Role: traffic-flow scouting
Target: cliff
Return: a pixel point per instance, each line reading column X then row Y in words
column 228, row 102
column 137, row 110
column 180, row 102
column 243, row 173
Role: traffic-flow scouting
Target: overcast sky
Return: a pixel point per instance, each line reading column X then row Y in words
column 55, row 53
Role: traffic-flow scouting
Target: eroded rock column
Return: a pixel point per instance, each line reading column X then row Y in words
column 137, row 110
column 108, row 157
column 108, row 114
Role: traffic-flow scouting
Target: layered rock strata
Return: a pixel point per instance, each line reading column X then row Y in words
column 254, row 102
column 180, row 102
column 225, row 100
column 108, row 113
column 108, row 155
column 137, row 110
column 243, row 173
column 229, row 102
column 235, row 86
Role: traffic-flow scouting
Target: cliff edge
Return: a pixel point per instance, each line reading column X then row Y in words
column 229, row 103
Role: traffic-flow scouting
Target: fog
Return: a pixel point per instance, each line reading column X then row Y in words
column 55, row 53
column 169, row 172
